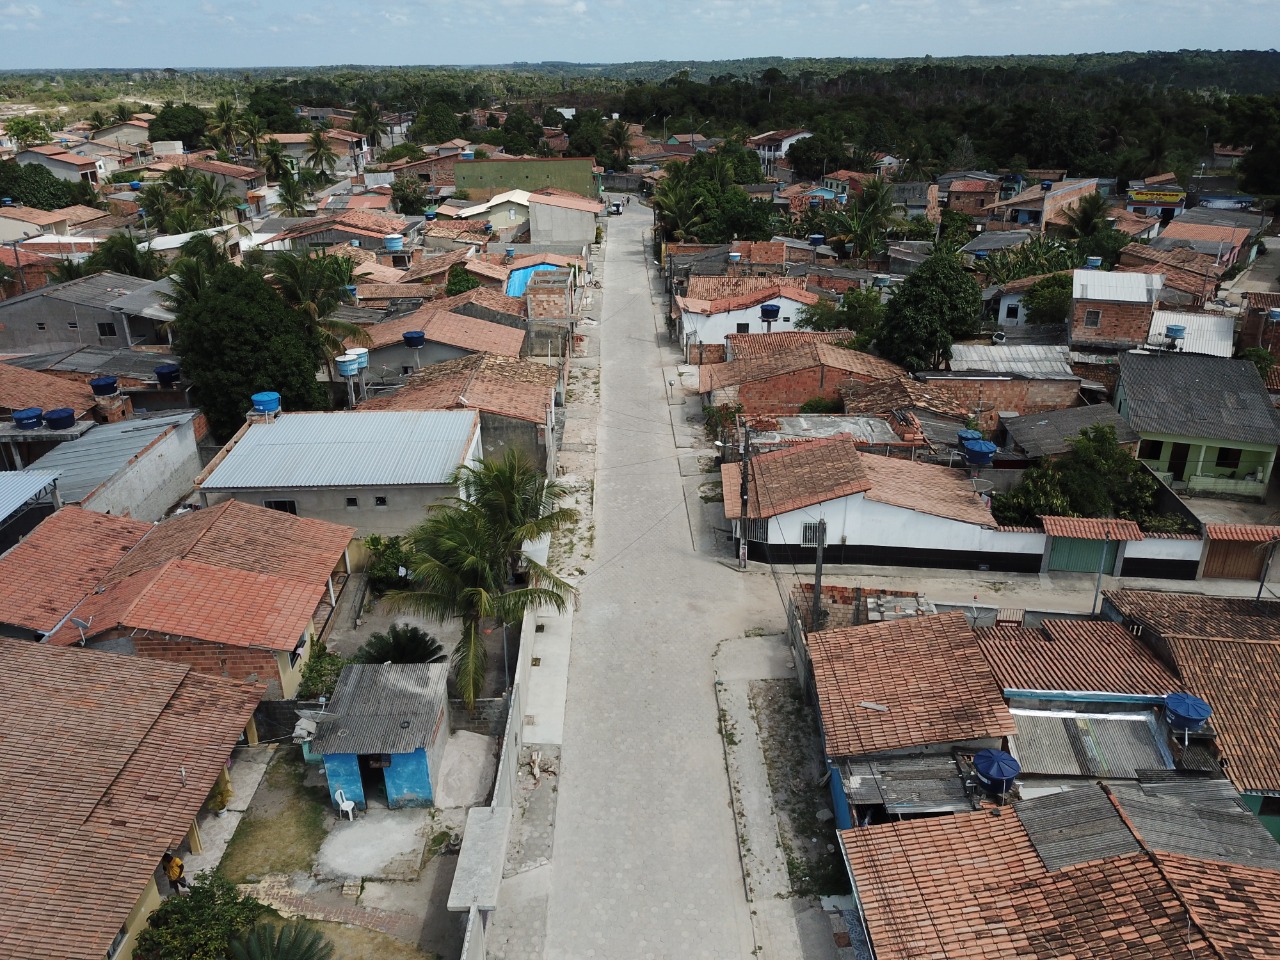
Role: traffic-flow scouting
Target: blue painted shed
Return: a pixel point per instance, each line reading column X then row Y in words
column 383, row 734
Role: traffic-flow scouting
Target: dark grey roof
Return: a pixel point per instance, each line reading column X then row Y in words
column 97, row 290
column 1188, row 395
column 1208, row 248
column 1075, row 826
column 98, row 361
column 1048, row 434
column 928, row 784
column 996, row 240
column 148, row 301
column 1223, row 218
column 383, row 708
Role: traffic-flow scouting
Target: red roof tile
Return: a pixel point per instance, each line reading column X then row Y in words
column 484, row 297
column 717, row 376
column 925, row 488
column 714, row 288
column 752, row 346
column 505, row 386
column 1091, row 528
column 452, row 329
column 905, row 683
column 795, row 477
column 1242, row 532
column 21, row 388
column 748, row 300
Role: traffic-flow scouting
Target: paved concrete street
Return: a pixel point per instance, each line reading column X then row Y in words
column 646, row 861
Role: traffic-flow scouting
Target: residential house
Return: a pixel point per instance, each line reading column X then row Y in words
column 1225, row 244
column 877, row 510
column 784, row 382
column 384, row 235
column 773, row 145
column 1193, row 276
column 917, row 407
column 503, row 212
column 558, row 216
column 135, row 468
column 710, row 321
column 388, row 717
column 515, row 399
column 1226, row 156
column 846, row 183
column 487, row 304
column 1051, row 434
column 1037, row 205
column 133, row 131
column 373, row 200
column 753, row 258
column 1208, row 426
column 25, row 500
column 396, row 350
column 23, row 271
column 917, row 198
column 243, row 181
column 64, row 164
column 759, row 346
column 234, row 590
column 18, row 222
column 495, row 175
column 435, row 269
column 972, row 197
column 352, row 148
column 987, row 243
column 108, row 760
column 73, row 314
column 376, row 470
column 137, row 373
column 1158, row 196
column 1261, row 328
column 1009, row 309
column 1212, row 334
column 992, row 380
column 53, row 411
column 1111, row 311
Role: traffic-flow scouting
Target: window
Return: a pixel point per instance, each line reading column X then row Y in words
column 296, row 655
column 106, row 329
column 1093, row 318
column 114, row 950
column 284, row 506
column 786, row 319
column 379, row 501
column 1011, row 311
column 1150, row 449
column 352, row 503
column 744, row 328
column 758, row 530
column 809, row 535
column 73, row 325
column 1269, row 807
column 42, row 326
column 405, row 371
column 1228, row 459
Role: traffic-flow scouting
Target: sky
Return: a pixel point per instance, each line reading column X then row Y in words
column 248, row 33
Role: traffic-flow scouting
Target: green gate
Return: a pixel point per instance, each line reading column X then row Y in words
column 1082, row 556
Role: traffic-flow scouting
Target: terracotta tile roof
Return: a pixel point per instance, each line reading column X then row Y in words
column 350, row 221
column 377, row 273
column 1242, row 532
column 1091, row 528
column 1026, row 283
column 390, row 291
column 20, row 388
column 436, row 266
column 1196, row 615
column 1188, row 260
column 505, row 386
column 12, row 258
column 1183, row 281
column 1237, row 908
column 363, row 201
column 1230, row 236
column 77, row 214
column 723, row 288
column 795, row 477
column 233, row 170
column 452, row 329
column 760, row 251
column 925, row 488
column 93, row 746
column 974, row 186
column 754, row 346
column 1263, row 301
column 747, row 300
column 719, row 375
column 887, row 396
column 1075, row 655
column 1126, row 221
column 290, row 138
column 453, row 228
column 484, row 297
column 41, row 218
column 929, row 673
column 59, row 563
column 492, row 271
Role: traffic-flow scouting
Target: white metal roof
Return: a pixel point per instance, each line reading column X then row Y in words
column 19, row 486
column 1116, row 287
column 518, row 197
column 1031, row 360
column 348, row 449
column 1211, row 334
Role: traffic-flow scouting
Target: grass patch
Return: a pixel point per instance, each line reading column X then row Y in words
column 361, row 943
column 284, row 826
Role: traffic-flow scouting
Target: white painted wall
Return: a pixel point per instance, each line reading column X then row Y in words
column 701, row 328
column 1162, row 549
column 548, row 224
column 154, row 481
column 1011, row 299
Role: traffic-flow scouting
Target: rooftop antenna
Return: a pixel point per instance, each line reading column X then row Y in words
column 82, row 626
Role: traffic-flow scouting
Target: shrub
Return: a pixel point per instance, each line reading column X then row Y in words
column 320, row 673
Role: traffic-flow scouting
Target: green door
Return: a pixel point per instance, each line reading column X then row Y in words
column 1082, row 556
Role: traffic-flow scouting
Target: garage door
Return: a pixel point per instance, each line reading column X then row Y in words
column 1071, row 554
column 1235, row 560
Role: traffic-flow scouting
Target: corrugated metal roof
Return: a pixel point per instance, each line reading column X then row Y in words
column 149, row 301
column 83, row 464
column 17, row 487
column 1203, row 826
column 348, row 449
column 1064, row 744
column 1116, row 287
column 383, row 708
column 1030, row 360
column 928, row 784
column 1212, row 334
column 97, row 290
column 1075, row 826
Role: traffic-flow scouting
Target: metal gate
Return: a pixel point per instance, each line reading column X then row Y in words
column 1235, row 559
column 1076, row 555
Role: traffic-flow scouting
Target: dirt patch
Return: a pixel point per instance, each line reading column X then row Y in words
column 793, row 755
column 711, row 492
column 360, row 943
column 284, row 826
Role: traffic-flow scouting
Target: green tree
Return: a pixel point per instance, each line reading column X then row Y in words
column 123, row 113
column 240, row 338
column 321, row 156
column 320, row 673
column 184, row 122
column 1032, row 258
column 253, row 131
column 1107, row 244
column 402, row 643
column 1048, row 301
column 520, row 132
column 26, row 131
column 820, row 154
column 34, row 186
column 295, row 940
column 460, row 281
column 1086, row 217
column 929, row 310
column 315, row 285
column 225, row 124
column 1260, row 358
column 120, row 253
column 200, row 925
column 410, row 195
column 402, row 151
column 213, row 200
column 277, row 113
column 953, row 231
column 860, row 311
column 617, row 143
column 97, row 121
column 368, row 120
column 291, row 197
column 436, row 124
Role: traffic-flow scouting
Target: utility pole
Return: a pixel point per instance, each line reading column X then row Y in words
column 742, row 523
column 1102, row 562
column 816, row 622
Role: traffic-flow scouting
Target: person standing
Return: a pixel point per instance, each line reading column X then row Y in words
column 174, row 872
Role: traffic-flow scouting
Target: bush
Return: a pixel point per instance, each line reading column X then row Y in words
column 822, row 405
column 387, row 555
column 200, row 925
column 401, row 643
column 320, row 673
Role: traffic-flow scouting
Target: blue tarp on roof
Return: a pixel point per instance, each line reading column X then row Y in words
column 518, row 280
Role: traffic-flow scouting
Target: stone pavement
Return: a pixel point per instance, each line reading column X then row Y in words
column 645, row 856
column 277, row 892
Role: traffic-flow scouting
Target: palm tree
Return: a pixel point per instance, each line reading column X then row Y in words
column 320, row 153
column 97, row 121
column 275, row 162
column 402, row 643
column 120, row 253
column 291, row 198
column 158, row 202
column 180, row 179
column 679, row 207
column 1087, row 217
column 315, row 285
column 224, row 124
column 368, row 120
column 254, row 133
column 185, row 219
column 457, row 570
column 188, row 276
column 213, row 199
column 68, row 270
column 123, row 113
column 617, row 140
column 295, row 940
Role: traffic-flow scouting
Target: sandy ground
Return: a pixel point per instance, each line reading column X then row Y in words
column 467, row 771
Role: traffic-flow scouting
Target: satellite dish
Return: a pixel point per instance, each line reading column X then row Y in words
column 76, row 621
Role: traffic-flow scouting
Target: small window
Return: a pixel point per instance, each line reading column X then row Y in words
column 106, row 329
column 1011, row 312
column 1093, row 318
column 405, row 371
column 379, row 501
column 1270, row 807
column 72, row 325
column 296, row 655
column 809, row 534
column 352, row 503
column 744, row 328
column 1228, row 459
column 113, row 951
column 284, row 506
column 42, row 326
column 1150, row 449
column 786, row 319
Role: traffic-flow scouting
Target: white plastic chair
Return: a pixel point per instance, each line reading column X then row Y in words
column 346, row 808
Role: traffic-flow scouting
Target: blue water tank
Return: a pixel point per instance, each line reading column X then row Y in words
column 769, row 311
column 135, row 185
column 168, row 374
column 735, row 257
column 6, row 201
column 103, row 386
column 979, row 452
column 348, row 365
column 815, row 202
column 1093, row 263
column 1046, row 185
column 414, row 338
column 963, row 435
column 488, row 227
column 817, row 239
column 842, row 198
column 393, row 241
column 1175, row 331
column 996, row 770
column 511, row 253
column 981, row 254
column 468, row 155
column 429, row 216
column 266, row 402
column 1273, row 314
column 28, row 419
column 351, row 290
column 63, row 418
column 362, row 356
column 1184, row 711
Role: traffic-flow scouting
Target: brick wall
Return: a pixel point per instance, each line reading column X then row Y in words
column 834, row 284
column 786, row 393
column 237, row 663
column 1119, row 323
column 703, row 353
column 1104, row 373
column 969, row 203
column 989, row 398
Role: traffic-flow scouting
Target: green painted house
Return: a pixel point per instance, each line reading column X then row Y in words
column 575, row 174
column 1207, row 424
